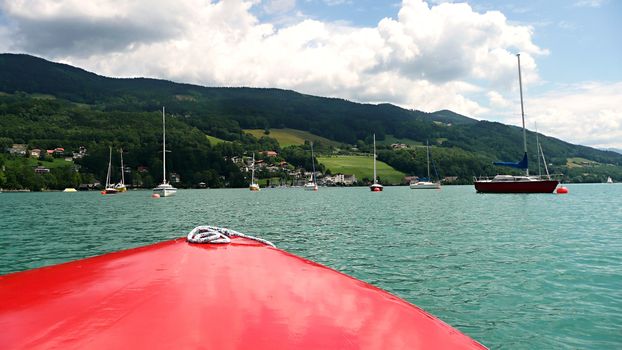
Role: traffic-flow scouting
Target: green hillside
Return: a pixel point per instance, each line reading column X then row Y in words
column 362, row 167
column 214, row 140
column 46, row 104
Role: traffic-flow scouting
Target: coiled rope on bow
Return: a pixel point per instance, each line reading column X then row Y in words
column 219, row 235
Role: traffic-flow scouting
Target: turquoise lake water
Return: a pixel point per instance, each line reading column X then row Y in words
column 537, row 271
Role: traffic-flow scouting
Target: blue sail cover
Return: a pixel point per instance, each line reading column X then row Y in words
column 523, row 164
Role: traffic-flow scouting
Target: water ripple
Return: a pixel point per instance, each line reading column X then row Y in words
column 512, row 271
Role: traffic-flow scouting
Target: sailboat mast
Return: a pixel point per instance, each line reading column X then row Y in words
column 546, row 168
column 375, row 158
column 312, row 163
column 253, row 170
column 522, row 109
column 163, row 147
column 538, row 149
column 122, row 168
column 427, row 146
column 109, row 165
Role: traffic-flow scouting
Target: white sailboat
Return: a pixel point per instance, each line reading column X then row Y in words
column 164, row 189
column 375, row 187
column 312, row 184
column 121, row 185
column 609, row 180
column 426, row 184
column 109, row 188
column 253, row 186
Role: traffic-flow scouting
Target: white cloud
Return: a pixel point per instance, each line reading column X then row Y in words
column 337, row 2
column 589, row 3
column 279, row 6
column 589, row 114
column 429, row 57
column 83, row 28
column 497, row 100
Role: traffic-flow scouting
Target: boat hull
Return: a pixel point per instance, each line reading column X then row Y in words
column 425, row 186
column 177, row 295
column 542, row 186
column 376, row 188
column 310, row 187
column 165, row 192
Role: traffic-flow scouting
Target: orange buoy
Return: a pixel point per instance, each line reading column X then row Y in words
column 155, row 195
column 562, row 190
column 103, row 192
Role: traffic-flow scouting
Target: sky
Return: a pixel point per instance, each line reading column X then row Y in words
column 424, row 55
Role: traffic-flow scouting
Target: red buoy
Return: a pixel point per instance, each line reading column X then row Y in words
column 103, row 192
column 562, row 190
column 155, row 195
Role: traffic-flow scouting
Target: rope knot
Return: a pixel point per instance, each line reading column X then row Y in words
column 219, row 235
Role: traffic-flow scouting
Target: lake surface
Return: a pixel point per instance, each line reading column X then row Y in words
column 512, row 271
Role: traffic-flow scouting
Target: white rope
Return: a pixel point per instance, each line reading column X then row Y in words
column 219, row 235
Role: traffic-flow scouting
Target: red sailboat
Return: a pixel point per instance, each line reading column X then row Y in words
column 512, row 183
column 239, row 294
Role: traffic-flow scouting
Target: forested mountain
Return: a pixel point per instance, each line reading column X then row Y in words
column 48, row 104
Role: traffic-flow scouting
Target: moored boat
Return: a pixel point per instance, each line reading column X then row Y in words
column 515, row 184
column 253, row 186
column 239, row 294
column 165, row 189
column 312, row 184
column 375, row 187
column 512, row 183
column 426, row 184
column 109, row 187
column 121, row 185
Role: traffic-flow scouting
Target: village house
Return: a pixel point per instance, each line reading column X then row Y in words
column 270, row 153
column 80, row 154
column 35, row 153
column 340, row 179
column 399, row 146
column 41, row 170
column 19, row 149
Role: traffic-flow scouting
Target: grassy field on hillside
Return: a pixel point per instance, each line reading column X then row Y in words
column 214, row 140
column 289, row 137
column 55, row 163
column 390, row 139
column 362, row 166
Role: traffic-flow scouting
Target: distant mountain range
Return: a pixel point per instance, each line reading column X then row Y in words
column 617, row 150
column 224, row 112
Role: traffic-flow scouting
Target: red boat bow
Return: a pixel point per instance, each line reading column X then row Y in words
column 178, row 295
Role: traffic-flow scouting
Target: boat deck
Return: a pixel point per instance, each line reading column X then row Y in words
column 177, row 295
